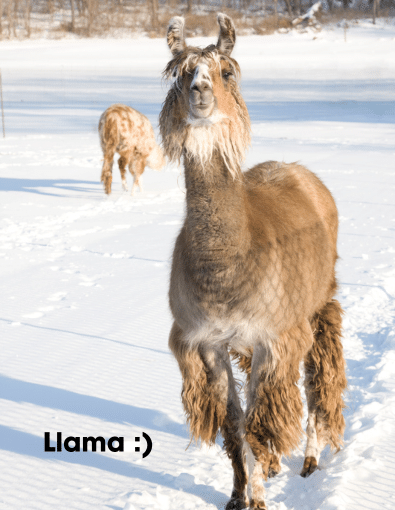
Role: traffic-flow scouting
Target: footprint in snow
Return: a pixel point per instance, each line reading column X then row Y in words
column 33, row 315
column 58, row 296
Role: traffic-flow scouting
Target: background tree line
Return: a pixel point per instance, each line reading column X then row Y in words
column 24, row 18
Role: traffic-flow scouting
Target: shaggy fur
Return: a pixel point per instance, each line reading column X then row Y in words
column 253, row 274
column 128, row 132
column 325, row 380
column 204, row 391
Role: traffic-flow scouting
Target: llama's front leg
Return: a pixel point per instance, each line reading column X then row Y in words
column 325, row 383
column 234, row 446
column 211, row 404
column 274, row 407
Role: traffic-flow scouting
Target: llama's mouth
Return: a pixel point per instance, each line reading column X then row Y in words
column 201, row 110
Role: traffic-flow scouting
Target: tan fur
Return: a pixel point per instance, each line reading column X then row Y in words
column 253, row 274
column 128, row 132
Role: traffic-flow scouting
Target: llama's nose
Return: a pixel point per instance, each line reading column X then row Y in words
column 201, row 94
column 201, row 87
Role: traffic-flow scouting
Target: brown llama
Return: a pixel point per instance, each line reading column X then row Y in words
column 253, row 277
column 128, row 132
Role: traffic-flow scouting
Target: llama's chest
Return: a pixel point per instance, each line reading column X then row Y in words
column 217, row 297
column 249, row 294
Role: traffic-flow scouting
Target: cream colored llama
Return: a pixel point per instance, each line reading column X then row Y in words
column 128, row 132
column 253, row 276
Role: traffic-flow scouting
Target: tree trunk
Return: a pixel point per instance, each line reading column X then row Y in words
column 154, row 13
column 28, row 7
column 288, row 4
column 72, row 16
column 296, row 4
column 10, row 18
column 91, row 6
column 189, row 7
column 376, row 5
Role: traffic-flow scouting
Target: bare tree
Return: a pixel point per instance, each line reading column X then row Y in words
column 289, row 7
column 92, row 11
column 154, row 13
column 11, row 19
column 72, row 15
column 28, row 8
column 376, row 6
column 1, row 18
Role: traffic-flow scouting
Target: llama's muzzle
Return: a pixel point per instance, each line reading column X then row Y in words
column 201, row 101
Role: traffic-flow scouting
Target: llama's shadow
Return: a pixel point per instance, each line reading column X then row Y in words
column 74, row 102
column 23, row 443
column 55, row 398
column 50, row 187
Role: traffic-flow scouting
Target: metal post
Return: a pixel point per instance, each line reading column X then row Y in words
column 2, row 106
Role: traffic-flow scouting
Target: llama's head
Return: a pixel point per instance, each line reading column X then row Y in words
column 204, row 111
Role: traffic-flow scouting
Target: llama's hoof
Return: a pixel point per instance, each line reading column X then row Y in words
column 273, row 472
column 257, row 505
column 272, row 466
column 237, row 503
column 309, row 466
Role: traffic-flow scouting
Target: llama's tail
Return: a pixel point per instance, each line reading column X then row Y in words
column 156, row 159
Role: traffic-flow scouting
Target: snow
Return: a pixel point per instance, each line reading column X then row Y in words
column 84, row 317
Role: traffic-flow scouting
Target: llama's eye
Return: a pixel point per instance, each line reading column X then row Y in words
column 227, row 75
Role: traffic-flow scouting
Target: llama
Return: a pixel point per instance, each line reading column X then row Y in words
column 128, row 132
column 253, row 278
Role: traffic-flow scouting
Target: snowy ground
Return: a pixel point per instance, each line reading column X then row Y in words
column 84, row 317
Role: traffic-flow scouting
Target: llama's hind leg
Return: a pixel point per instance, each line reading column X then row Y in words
column 122, row 162
column 211, row 405
column 136, row 168
column 106, row 174
column 325, row 383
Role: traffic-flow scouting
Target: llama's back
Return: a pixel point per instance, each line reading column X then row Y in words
column 297, row 217
column 294, row 186
column 125, row 130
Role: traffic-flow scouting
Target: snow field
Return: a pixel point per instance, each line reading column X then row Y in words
column 84, row 317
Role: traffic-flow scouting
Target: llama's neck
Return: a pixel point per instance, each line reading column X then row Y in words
column 216, row 215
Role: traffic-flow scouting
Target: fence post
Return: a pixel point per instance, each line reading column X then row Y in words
column 2, row 106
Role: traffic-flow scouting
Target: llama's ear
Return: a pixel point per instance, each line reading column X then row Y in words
column 227, row 34
column 175, row 35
